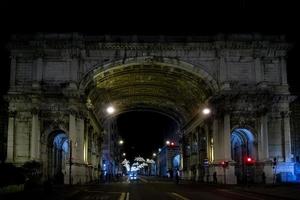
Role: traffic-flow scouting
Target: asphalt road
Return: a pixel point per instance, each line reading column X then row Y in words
column 154, row 189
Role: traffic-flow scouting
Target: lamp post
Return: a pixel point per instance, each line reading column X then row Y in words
column 155, row 164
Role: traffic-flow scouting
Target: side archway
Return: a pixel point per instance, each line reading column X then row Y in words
column 243, row 151
column 58, row 156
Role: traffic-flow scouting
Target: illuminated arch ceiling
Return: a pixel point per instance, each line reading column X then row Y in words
column 174, row 92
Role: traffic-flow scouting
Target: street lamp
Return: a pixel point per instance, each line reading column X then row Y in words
column 121, row 142
column 110, row 110
column 154, row 154
column 124, row 154
column 206, row 111
column 167, row 142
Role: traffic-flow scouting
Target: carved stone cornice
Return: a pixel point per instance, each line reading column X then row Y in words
column 72, row 42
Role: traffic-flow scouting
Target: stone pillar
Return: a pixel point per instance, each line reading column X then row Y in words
column 80, row 140
column 72, row 133
column 258, row 70
column 13, row 68
column 226, row 138
column 11, row 138
column 37, row 72
column 263, row 142
column 208, row 150
column 223, row 68
column 215, row 140
column 283, row 71
column 86, row 143
column 287, row 136
column 73, row 68
column 35, row 137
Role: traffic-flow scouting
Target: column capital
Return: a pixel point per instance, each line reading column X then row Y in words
column 73, row 111
column 12, row 113
column 285, row 114
column 35, row 111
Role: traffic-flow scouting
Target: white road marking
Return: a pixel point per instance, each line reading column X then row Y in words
column 122, row 196
column 179, row 196
column 127, row 196
column 144, row 180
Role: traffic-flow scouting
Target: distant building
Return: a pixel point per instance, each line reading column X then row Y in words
column 168, row 159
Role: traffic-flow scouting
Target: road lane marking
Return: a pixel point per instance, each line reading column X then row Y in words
column 179, row 196
column 127, row 196
column 122, row 196
column 144, row 180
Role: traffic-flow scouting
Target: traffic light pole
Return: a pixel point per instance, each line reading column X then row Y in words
column 224, row 169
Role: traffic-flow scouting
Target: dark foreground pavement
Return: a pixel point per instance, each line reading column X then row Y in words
column 147, row 188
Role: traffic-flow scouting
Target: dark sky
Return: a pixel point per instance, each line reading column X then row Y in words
column 144, row 132
column 153, row 18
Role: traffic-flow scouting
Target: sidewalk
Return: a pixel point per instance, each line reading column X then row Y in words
column 287, row 191
column 58, row 192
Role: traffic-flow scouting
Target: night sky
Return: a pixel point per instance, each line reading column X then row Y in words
column 153, row 18
column 144, row 132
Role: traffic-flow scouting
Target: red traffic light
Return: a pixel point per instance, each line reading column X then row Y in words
column 249, row 160
column 224, row 164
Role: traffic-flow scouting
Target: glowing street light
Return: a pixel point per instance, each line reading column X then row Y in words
column 124, row 154
column 154, row 154
column 121, row 142
column 206, row 111
column 167, row 142
column 110, row 110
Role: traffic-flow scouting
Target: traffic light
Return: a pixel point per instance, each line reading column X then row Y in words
column 224, row 164
column 249, row 160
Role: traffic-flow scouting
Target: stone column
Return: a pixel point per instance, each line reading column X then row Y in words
column 72, row 132
column 287, row 136
column 73, row 68
column 223, row 67
column 80, row 140
column 208, row 150
column 11, row 138
column 13, row 68
column 283, row 71
column 226, row 138
column 35, row 137
column 215, row 140
column 263, row 143
column 37, row 72
column 86, row 143
column 258, row 70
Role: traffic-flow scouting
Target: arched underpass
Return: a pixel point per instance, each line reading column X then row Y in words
column 66, row 82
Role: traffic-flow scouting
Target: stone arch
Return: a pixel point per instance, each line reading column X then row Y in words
column 243, row 146
column 58, row 155
column 244, row 136
column 85, row 82
column 206, row 84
